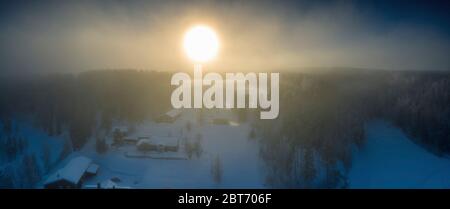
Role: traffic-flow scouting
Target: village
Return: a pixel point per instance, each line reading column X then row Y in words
column 178, row 149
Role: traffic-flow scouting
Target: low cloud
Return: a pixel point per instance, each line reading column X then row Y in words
column 72, row 37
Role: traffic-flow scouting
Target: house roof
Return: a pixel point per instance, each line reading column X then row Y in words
column 72, row 171
column 108, row 184
column 174, row 113
column 159, row 140
column 121, row 128
column 93, row 168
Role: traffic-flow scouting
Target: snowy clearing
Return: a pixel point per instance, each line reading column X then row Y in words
column 390, row 160
column 239, row 160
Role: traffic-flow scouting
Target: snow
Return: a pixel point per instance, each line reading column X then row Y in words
column 107, row 184
column 92, row 169
column 38, row 143
column 239, row 156
column 159, row 141
column 390, row 159
column 72, row 172
column 37, row 139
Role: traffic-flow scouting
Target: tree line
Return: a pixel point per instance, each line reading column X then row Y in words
column 323, row 116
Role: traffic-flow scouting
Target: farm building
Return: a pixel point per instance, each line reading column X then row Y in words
column 72, row 174
column 121, row 129
column 158, row 143
column 130, row 140
column 92, row 170
column 119, row 133
column 169, row 117
column 133, row 140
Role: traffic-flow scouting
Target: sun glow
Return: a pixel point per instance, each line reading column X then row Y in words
column 201, row 43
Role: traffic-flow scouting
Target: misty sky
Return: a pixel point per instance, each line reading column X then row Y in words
column 73, row 36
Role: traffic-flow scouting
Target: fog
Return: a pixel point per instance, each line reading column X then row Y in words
column 71, row 37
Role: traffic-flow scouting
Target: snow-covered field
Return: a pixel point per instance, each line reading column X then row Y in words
column 391, row 160
column 240, row 162
column 387, row 160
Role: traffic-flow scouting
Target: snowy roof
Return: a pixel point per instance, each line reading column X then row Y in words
column 108, row 184
column 93, row 168
column 72, row 172
column 121, row 128
column 160, row 141
column 174, row 113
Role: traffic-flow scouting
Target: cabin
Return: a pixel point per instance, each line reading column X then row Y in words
column 130, row 140
column 92, row 170
column 119, row 134
column 158, row 143
column 121, row 129
column 169, row 117
column 72, row 174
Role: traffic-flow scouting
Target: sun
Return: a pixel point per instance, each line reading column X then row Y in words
column 201, row 43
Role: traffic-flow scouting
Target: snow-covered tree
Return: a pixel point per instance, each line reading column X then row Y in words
column 216, row 169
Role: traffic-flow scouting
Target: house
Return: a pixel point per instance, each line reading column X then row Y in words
column 92, row 170
column 119, row 133
column 72, row 174
column 158, row 143
column 169, row 117
column 121, row 129
column 130, row 140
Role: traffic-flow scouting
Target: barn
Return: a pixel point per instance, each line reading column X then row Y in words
column 158, row 143
column 169, row 117
column 121, row 129
column 72, row 174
